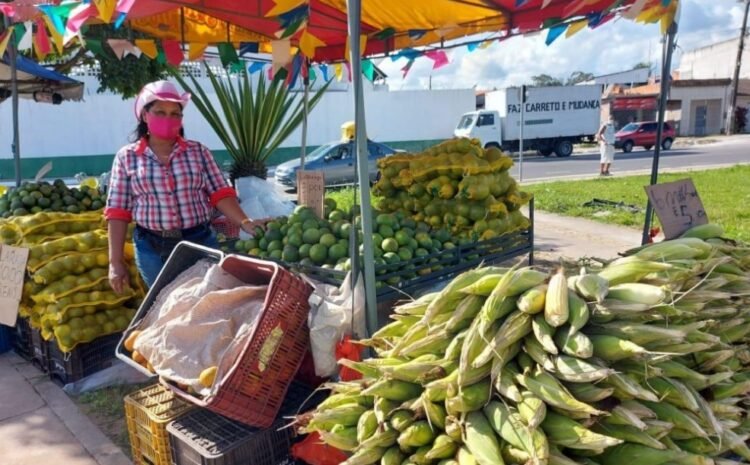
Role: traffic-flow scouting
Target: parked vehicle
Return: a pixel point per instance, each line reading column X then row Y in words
column 643, row 134
column 336, row 160
column 555, row 118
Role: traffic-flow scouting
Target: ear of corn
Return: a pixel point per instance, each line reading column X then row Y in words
column 365, row 456
column 588, row 392
column 544, row 334
column 508, row 424
column 579, row 313
column 532, row 301
column 481, row 441
column 417, row 434
column 393, row 390
column 513, row 329
column 592, row 287
column 638, row 293
column 576, row 344
column 579, row 371
column 568, row 433
column 556, row 309
column 532, row 410
column 393, row 456
column 444, row 447
column 629, row 434
column 470, row 398
column 554, row 393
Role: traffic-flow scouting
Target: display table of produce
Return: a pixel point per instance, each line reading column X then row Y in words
column 642, row 361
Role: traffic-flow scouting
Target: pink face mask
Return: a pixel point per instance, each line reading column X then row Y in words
column 164, row 127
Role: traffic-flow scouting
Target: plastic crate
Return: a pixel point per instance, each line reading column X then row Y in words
column 22, row 339
column 253, row 389
column 39, row 350
column 7, row 335
column 84, row 360
column 202, row 437
column 147, row 413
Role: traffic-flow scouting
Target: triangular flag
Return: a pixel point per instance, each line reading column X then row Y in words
column 576, row 27
column 248, row 47
column 416, row 34
column 148, row 47
column 296, row 68
column 58, row 14
column 41, row 40
column 18, row 32
column 635, row 9
column 7, row 9
column 362, row 47
column 313, row 76
column 270, row 73
column 486, row 44
column 408, row 53
column 406, row 68
column 283, row 6
column 4, row 39
column 119, row 46
column 57, row 38
column 281, row 54
column 79, row 15
column 438, row 57
column 124, row 6
column 348, row 70
column 546, row 3
column 368, row 69
column 120, row 20
column 132, row 50
column 472, row 46
column 196, row 50
column 324, row 70
column 161, row 57
column 106, row 9
column 26, row 40
column 338, row 70
column 555, row 32
column 228, row 54
column 95, row 47
column 386, row 33
column 255, row 66
column 308, row 43
column 172, row 52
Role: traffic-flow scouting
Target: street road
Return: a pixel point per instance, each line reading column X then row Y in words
column 735, row 150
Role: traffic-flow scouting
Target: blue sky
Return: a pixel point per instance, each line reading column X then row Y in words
column 616, row 46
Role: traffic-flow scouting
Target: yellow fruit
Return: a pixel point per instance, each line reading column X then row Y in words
column 130, row 340
column 138, row 358
column 208, row 376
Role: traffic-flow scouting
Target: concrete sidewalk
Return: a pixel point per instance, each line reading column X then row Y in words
column 40, row 424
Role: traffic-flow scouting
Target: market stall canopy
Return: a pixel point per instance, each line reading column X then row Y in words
column 37, row 82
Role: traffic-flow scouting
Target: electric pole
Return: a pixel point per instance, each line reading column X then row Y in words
column 736, row 79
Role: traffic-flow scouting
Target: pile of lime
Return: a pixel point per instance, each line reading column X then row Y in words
column 42, row 196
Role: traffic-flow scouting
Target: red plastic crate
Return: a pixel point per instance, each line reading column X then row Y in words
column 222, row 225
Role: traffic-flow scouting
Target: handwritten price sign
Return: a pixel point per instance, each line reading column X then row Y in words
column 311, row 188
column 678, row 206
column 12, row 272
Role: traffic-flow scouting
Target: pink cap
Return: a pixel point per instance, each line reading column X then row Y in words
column 163, row 91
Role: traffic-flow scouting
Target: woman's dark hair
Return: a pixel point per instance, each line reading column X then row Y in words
column 141, row 130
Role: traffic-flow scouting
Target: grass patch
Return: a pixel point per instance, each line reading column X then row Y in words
column 725, row 194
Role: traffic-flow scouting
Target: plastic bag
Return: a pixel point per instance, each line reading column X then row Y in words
column 118, row 373
column 334, row 313
column 313, row 451
column 259, row 199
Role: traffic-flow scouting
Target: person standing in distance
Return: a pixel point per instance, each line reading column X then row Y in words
column 165, row 183
column 606, row 138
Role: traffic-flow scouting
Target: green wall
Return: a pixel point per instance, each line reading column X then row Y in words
column 94, row 165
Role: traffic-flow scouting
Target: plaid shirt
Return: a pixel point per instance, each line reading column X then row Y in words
column 179, row 195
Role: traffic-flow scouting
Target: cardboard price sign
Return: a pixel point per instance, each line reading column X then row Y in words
column 678, row 206
column 311, row 187
column 12, row 272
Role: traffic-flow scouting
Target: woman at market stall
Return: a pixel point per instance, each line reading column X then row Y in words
column 167, row 184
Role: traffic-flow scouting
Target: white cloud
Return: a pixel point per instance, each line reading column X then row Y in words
column 615, row 46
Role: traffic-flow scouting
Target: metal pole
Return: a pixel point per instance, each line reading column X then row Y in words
column 663, row 93
column 354, row 10
column 305, row 111
column 520, row 148
column 12, row 52
column 736, row 79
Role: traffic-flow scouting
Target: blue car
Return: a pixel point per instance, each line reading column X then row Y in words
column 336, row 160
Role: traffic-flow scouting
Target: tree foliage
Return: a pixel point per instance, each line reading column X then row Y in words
column 546, row 80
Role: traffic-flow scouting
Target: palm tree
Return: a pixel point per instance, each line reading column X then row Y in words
column 251, row 123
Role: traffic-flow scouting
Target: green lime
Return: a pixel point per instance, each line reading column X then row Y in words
column 389, row 245
column 304, row 250
column 385, row 231
column 311, row 236
column 28, row 201
column 275, row 245
column 405, row 254
column 337, row 252
column 319, row 253
column 275, row 255
column 290, row 254
column 327, row 240
column 336, row 215
column 402, row 237
column 310, row 223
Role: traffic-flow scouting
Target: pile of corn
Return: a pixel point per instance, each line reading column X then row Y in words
column 456, row 185
column 642, row 363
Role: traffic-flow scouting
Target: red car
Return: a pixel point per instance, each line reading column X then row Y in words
column 643, row 134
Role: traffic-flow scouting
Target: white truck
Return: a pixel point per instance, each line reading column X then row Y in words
column 554, row 118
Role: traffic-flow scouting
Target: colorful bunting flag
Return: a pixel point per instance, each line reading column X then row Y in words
column 270, row 73
column 324, row 70
column 386, row 33
column 7, row 9
column 313, row 76
column 120, row 20
column 281, row 54
column 576, row 27
column 161, row 57
column 148, row 47
column 41, row 40
column 25, row 42
column 439, row 58
column 228, row 54
column 472, row 46
column 555, row 32
column 4, row 39
column 255, row 67
column 58, row 15
column 362, row 47
column 123, row 47
column 283, row 6
column 546, row 3
column 296, row 68
column 416, row 34
column 196, row 50
column 338, row 70
column 308, row 43
column 408, row 53
column 18, row 32
column 368, row 69
column 635, row 9
column 124, row 6
column 95, row 46
column 406, row 68
column 348, row 70
column 486, row 44
column 79, row 15
column 106, row 9
column 248, row 47
column 57, row 37
column 172, row 52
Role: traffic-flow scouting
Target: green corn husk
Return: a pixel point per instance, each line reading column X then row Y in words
column 508, row 424
column 452, row 293
column 453, row 429
column 514, row 456
column 393, row 456
column 401, row 419
column 483, row 287
column 384, row 437
column 469, row 398
column 658, row 429
column 704, row 231
column 668, row 412
column 638, row 293
column 579, row 371
column 365, row 456
column 535, row 350
column 579, row 313
column 588, row 392
column 505, row 385
column 675, row 393
column 341, row 437
column 544, row 333
column 346, row 415
column 337, row 400
column 395, row 329
column 631, row 269
column 557, row 458
column 640, row 333
column 532, row 301
column 564, row 432
column 621, row 415
column 514, row 328
column 531, row 409
column 465, row 457
column 624, row 384
column 394, row 390
column 629, row 434
column 431, row 344
column 638, row 409
column 481, row 441
column 642, row 455
column 383, row 408
column 724, row 390
column 612, row 348
column 592, row 287
column 444, row 447
column 436, row 390
column 366, row 425
column 465, row 311
column 417, row 371
column 576, row 344
column 417, row 434
column 420, row 456
column 435, row 413
column 545, row 386
column 453, row 351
